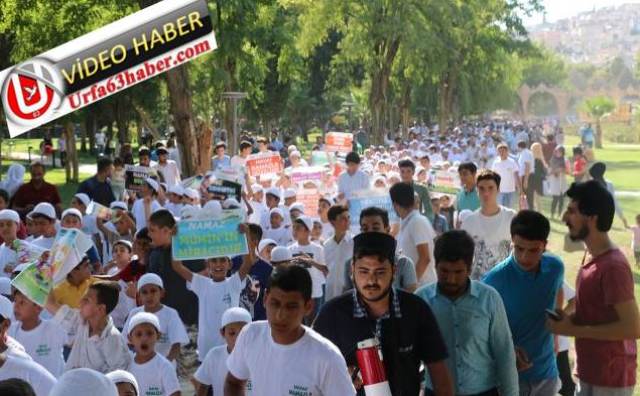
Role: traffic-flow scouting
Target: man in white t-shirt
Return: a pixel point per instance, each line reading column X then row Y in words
column 416, row 233
column 353, row 179
column 9, row 223
column 167, row 167
column 509, row 172
column 100, row 142
column 490, row 226
column 239, row 160
column 338, row 250
column 144, row 207
column 27, row 370
column 281, row 356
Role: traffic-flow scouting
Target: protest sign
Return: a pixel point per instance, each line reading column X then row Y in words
column 101, row 211
column 223, row 189
column 338, row 141
column 52, row 267
column 192, row 182
column 311, row 173
column 228, row 173
column 365, row 198
column 320, row 158
column 309, row 198
column 445, row 181
column 135, row 177
column 264, row 163
column 199, row 239
column 25, row 253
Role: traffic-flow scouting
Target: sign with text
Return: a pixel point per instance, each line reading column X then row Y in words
column 208, row 238
column 363, row 199
column 338, row 141
column 106, row 61
column 223, row 189
column 309, row 198
column 264, row 163
column 135, row 176
column 445, row 181
column 303, row 174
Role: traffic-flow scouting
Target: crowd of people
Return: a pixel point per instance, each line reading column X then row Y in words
column 457, row 288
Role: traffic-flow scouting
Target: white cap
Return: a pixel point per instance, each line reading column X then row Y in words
column 118, row 205
column 72, row 212
column 120, row 376
column 8, row 214
column 177, row 189
column 295, row 153
column 84, row 198
column 256, row 188
column 291, row 148
column 44, row 209
column 297, row 206
column 307, row 221
column 213, row 207
column 277, row 211
column 192, row 193
column 144, row 317
column 124, row 242
column 84, row 381
column 231, row 203
column 263, row 244
column 6, row 308
column 274, row 191
column 153, row 184
column 289, row 193
column 150, row 279
column 234, row 315
column 280, row 253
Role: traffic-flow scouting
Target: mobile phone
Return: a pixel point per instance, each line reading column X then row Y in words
column 553, row 314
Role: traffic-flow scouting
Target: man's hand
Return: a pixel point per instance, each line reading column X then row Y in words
column 354, row 372
column 563, row 326
column 522, row 360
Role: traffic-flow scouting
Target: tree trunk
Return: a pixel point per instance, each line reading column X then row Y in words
column 405, row 104
column 88, row 121
column 598, row 141
column 71, row 165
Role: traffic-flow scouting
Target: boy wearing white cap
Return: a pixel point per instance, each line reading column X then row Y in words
column 155, row 374
column 172, row 331
column 213, row 370
column 175, row 200
column 44, row 219
column 143, row 207
column 125, row 382
column 9, row 222
column 72, row 218
column 276, row 230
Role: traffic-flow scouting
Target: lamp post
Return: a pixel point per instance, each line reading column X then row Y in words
column 234, row 97
column 349, row 105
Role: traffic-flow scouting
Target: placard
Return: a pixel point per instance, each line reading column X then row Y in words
column 101, row 212
column 321, row 158
column 207, row 238
column 229, row 173
column 310, row 173
column 310, row 199
column 363, row 199
column 445, row 181
column 223, row 189
column 264, row 163
column 193, row 182
column 135, row 177
column 338, row 141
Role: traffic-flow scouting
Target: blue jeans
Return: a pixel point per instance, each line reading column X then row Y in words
column 506, row 199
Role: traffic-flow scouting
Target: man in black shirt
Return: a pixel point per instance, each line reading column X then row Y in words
column 98, row 187
column 403, row 323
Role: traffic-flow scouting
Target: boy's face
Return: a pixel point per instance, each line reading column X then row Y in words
column 373, row 224
column 467, row 178
column 487, row 191
column 300, row 232
column 3, row 203
column 218, row 268
column 77, row 204
column 317, row 230
column 71, row 221
column 230, row 333
column 295, row 214
column 44, row 226
column 25, row 309
column 143, row 337
column 150, row 296
column 125, row 389
column 160, row 236
column 286, row 310
column 89, row 307
column 121, row 254
column 266, row 252
column 275, row 220
column 8, row 230
column 435, row 205
column 342, row 222
column 80, row 273
column 272, row 201
column 289, row 201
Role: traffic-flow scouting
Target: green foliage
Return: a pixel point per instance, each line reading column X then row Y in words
column 598, row 106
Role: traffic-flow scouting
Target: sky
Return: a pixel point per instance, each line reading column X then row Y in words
column 559, row 9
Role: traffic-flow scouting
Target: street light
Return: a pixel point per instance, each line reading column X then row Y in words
column 234, row 97
column 349, row 105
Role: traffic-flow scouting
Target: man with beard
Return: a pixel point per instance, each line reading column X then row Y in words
column 403, row 323
column 604, row 319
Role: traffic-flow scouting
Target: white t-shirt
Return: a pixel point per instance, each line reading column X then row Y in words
column 281, row 235
column 7, row 257
column 124, row 306
column 156, row 377
column 316, row 252
column 336, row 256
column 310, row 366
column 27, row 370
column 44, row 344
column 44, row 242
column 564, row 343
column 172, row 329
column 100, row 139
column 170, row 172
column 213, row 299
column 416, row 230
column 347, row 184
column 492, row 235
column 213, row 370
column 138, row 212
column 525, row 157
column 507, row 170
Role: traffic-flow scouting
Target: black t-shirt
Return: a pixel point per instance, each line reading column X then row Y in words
column 406, row 341
column 176, row 296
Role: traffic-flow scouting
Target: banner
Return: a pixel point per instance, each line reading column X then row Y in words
column 338, row 141
column 445, row 181
column 106, row 61
column 363, row 199
column 193, row 182
column 309, row 198
column 321, row 158
column 208, row 238
column 52, row 267
column 229, row 173
column 101, row 212
column 223, row 189
column 311, row 173
column 264, row 163
column 135, row 177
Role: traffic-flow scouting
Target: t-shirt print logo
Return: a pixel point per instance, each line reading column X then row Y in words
column 227, row 299
column 299, row 390
column 32, row 90
column 43, row 350
column 154, row 391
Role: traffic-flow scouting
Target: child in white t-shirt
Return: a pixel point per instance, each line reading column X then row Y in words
column 122, row 250
column 216, row 294
column 213, row 370
column 43, row 340
column 277, row 230
column 155, row 374
column 172, row 331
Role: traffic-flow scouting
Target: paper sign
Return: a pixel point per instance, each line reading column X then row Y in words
column 365, row 198
column 339, row 141
column 223, row 189
column 25, row 253
column 208, row 238
column 309, row 198
column 135, row 177
column 320, row 158
column 445, row 181
column 101, row 211
column 228, row 173
column 311, row 173
column 193, row 182
column 264, row 163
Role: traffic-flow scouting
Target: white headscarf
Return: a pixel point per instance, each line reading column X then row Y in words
column 15, row 178
column 84, row 381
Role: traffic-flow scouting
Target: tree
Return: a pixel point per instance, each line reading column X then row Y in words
column 598, row 107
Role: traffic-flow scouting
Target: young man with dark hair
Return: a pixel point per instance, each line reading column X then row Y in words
column 467, row 197
column 473, row 322
column 352, row 179
column 407, row 172
column 338, row 250
column 402, row 322
column 509, row 173
column 489, row 226
column 35, row 191
column 305, row 362
column 244, row 151
column 416, row 235
column 604, row 319
column 168, row 168
column 98, row 187
column 530, row 283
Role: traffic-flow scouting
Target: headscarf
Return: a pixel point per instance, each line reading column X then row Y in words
column 15, row 178
column 558, row 162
